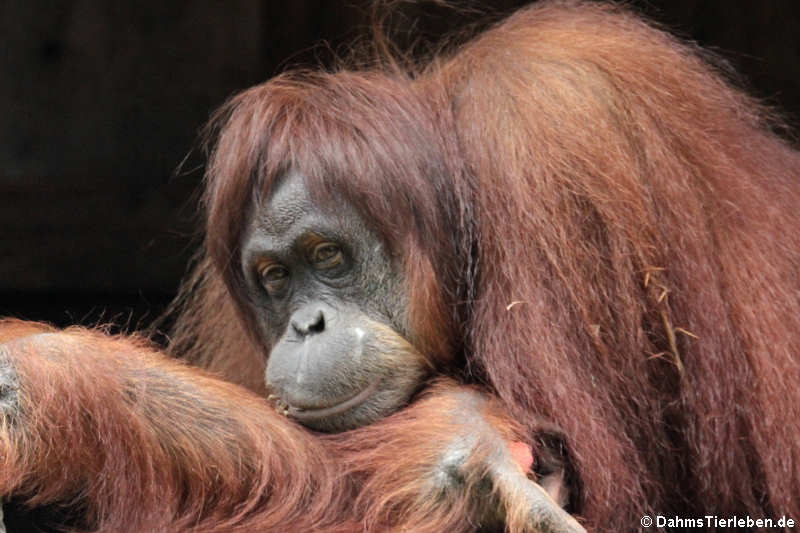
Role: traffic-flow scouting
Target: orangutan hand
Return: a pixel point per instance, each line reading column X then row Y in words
column 480, row 457
column 455, row 453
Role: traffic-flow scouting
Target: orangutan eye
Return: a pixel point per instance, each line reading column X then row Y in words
column 326, row 255
column 273, row 278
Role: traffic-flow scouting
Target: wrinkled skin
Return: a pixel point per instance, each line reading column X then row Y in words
column 329, row 299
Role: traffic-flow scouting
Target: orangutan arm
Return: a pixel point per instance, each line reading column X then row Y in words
column 133, row 441
column 127, row 439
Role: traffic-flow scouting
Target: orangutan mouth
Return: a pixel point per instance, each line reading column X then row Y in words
column 307, row 415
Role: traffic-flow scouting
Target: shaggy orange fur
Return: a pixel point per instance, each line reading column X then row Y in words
column 599, row 231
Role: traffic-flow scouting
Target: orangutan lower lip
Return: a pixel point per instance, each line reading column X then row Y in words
column 302, row 415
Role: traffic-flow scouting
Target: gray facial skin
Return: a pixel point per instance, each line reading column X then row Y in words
column 330, row 300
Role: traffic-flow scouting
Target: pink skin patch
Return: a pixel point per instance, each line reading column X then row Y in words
column 522, row 454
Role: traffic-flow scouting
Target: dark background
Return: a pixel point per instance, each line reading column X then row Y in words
column 101, row 101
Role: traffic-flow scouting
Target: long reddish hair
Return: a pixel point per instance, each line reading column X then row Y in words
column 595, row 224
column 639, row 250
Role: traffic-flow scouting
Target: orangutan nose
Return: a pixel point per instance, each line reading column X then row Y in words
column 309, row 320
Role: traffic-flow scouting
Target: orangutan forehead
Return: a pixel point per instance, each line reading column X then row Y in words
column 291, row 205
column 283, row 206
